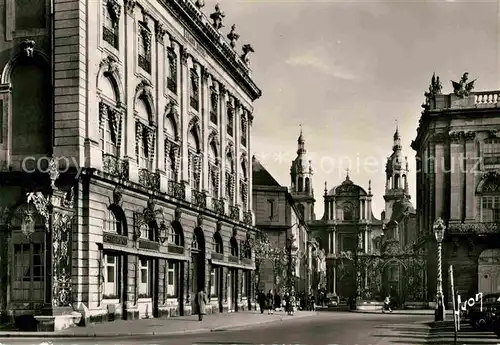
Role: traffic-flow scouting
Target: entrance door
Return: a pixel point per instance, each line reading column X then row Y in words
column 489, row 271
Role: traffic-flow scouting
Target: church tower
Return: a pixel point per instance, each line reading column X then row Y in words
column 396, row 170
column 301, row 174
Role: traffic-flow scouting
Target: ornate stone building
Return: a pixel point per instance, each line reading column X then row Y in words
column 279, row 216
column 458, row 152
column 150, row 127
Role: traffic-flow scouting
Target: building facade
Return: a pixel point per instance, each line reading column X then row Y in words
column 279, row 216
column 149, row 126
column 457, row 154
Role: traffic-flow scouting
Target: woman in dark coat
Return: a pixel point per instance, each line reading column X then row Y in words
column 270, row 302
column 262, row 301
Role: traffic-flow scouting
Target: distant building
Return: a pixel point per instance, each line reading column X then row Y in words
column 150, row 121
column 278, row 215
column 458, row 156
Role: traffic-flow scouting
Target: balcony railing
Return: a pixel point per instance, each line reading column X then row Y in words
column 115, row 166
column 474, row 228
column 199, row 198
column 149, row 179
column 172, row 85
column 218, row 206
column 234, row 212
column 193, row 101
column 213, row 117
column 108, row 35
column 144, row 63
column 247, row 218
column 218, row 256
column 177, row 190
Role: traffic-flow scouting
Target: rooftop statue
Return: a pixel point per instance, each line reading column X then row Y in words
column 247, row 49
column 199, row 3
column 233, row 36
column 217, row 18
column 464, row 87
column 434, row 89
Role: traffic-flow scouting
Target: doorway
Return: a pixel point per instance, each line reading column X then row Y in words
column 489, row 271
column 198, row 261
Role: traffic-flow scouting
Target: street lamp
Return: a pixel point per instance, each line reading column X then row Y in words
column 163, row 232
column 439, row 229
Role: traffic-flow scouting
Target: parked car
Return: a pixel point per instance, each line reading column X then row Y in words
column 480, row 320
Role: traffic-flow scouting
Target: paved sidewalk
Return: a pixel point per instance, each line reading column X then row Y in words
column 166, row 326
column 403, row 312
column 444, row 334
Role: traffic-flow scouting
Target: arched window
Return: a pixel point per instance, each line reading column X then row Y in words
column 111, row 223
column 247, row 250
column 234, row 246
column 108, row 117
column 307, row 184
column 396, row 181
column 145, row 135
column 170, row 127
column 195, row 164
column 31, row 107
column 490, row 198
column 348, row 211
column 176, row 234
column 300, row 185
column 218, row 244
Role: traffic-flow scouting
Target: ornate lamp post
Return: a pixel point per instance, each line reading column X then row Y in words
column 439, row 229
column 163, row 233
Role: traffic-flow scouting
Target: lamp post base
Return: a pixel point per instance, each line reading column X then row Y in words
column 439, row 313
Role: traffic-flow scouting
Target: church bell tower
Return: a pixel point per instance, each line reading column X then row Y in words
column 301, row 174
column 396, row 171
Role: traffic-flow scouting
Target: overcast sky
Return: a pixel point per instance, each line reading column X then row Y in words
column 348, row 70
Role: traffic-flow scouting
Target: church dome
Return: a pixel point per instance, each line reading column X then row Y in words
column 347, row 187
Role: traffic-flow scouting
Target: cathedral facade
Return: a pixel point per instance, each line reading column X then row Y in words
column 364, row 254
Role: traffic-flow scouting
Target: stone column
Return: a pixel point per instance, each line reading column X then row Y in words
column 222, row 153
column 129, row 120
column 334, row 210
column 184, row 90
column 59, row 289
column 470, row 185
column 334, row 244
column 439, row 173
column 330, row 241
column 455, row 174
column 187, row 284
column 205, row 120
column 327, row 209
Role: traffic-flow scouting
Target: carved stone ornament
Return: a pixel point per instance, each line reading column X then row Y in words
column 217, row 18
column 464, row 87
column 109, row 65
column 28, row 47
column 233, row 36
column 178, row 214
column 160, row 32
column 114, row 9
column 440, row 137
column 434, row 89
column 151, row 204
column 456, row 137
column 69, row 200
column 235, row 232
column 184, row 55
column 247, row 49
column 205, row 74
column 117, row 195
column 199, row 3
column 143, row 86
column 199, row 221
column 222, row 90
column 130, row 6
column 470, row 136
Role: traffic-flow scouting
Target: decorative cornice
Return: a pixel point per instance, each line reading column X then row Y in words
column 189, row 15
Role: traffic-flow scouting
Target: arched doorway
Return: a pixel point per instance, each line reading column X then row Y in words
column 488, row 269
column 393, row 280
column 197, row 261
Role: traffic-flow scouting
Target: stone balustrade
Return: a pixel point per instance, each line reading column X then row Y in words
column 489, row 97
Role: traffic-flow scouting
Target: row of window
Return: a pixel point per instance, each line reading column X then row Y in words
column 216, row 282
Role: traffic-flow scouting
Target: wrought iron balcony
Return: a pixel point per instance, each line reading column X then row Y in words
column 177, row 190
column 218, row 206
column 247, row 218
column 213, row 117
column 234, row 212
column 474, row 228
column 193, row 101
column 172, row 85
column 115, row 166
column 144, row 63
column 149, row 179
column 199, row 198
column 110, row 36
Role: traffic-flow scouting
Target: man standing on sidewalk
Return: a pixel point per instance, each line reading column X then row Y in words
column 200, row 303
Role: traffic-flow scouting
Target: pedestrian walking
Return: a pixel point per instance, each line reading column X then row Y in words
column 200, row 304
column 270, row 302
column 262, row 301
column 312, row 302
column 277, row 301
column 387, row 304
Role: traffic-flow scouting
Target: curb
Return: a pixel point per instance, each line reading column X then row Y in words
column 398, row 313
column 4, row 335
